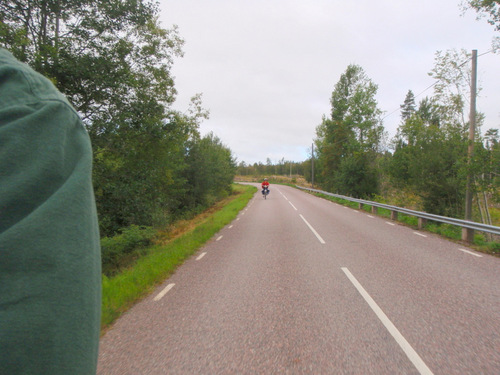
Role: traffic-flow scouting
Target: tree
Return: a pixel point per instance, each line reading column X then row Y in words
column 353, row 129
column 491, row 9
column 487, row 7
column 408, row 107
column 431, row 144
column 113, row 60
column 210, row 172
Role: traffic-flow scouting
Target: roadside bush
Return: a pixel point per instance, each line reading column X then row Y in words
column 129, row 241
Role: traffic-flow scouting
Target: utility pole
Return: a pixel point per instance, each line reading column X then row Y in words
column 312, row 165
column 468, row 234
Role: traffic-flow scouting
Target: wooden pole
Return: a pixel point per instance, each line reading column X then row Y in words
column 468, row 234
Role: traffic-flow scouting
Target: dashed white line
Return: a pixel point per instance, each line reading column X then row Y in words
column 420, row 234
column 471, row 253
column 230, row 226
column 219, row 238
column 409, row 351
column 160, row 295
column 312, row 229
column 371, row 217
column 201, row 256
column 293, row 206
column 388, row 222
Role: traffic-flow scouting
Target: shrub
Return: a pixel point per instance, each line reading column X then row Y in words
column 129, row 241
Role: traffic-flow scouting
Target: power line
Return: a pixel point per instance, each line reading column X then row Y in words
column 435, row 83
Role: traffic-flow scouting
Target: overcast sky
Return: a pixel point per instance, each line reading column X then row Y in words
column 267, row 68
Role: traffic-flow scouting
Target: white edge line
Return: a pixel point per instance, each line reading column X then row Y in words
column 409, row 351
column 201, row 256
column 420, row 234
column 219, row 238
column 230, row 227
column 471, row 253
column 388, row 222
column 312, row 229
column 371, row 217
column 160, row 295
column 293, row 206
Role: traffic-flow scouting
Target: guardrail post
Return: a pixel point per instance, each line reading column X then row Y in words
column 394, row 215
column 468, row 235
column 374, row 210
column 360, row 206
column 421, row 223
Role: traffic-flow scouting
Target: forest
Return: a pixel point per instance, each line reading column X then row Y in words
column 113, row 61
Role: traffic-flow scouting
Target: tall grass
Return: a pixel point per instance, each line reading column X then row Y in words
column 120, row 292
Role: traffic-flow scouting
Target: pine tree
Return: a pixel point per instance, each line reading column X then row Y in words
column 408, row 107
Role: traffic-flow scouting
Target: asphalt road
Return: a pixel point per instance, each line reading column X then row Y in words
column 299, row 285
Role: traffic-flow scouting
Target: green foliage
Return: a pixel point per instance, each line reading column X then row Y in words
column 487, row 7
column 129, row 241
column 349, row 140
column 113, row 61
column 210, row 171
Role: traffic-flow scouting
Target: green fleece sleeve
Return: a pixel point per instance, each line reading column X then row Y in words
column 50, row 267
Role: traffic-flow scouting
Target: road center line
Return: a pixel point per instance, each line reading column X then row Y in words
column 293, row 206
column 409, row 351
column 312, row 229
column 160, row 295
column 201, row 256
column 471, row 253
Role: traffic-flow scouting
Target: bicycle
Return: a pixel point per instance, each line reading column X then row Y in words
column 265, row 192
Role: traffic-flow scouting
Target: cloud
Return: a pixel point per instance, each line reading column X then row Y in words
column 267, row 68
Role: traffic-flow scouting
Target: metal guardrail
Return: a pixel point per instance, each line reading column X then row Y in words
column 421, row 215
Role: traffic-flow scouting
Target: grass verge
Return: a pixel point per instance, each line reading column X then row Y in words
column 123, row 290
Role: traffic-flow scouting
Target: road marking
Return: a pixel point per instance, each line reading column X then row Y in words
column 219, row 238
column 371, row 217
column 312, row 229
column 420, row 234
column 237, row 218
column 388, row 222
column 471, row 253
column 201, row 256
column 163, row 292
column 293, row 205
column 409, row 351
column 230, row 227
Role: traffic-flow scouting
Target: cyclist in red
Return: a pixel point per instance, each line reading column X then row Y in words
column 265, row 186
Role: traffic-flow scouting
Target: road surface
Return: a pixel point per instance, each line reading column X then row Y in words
column 300, row 285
